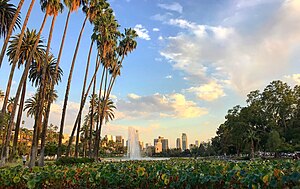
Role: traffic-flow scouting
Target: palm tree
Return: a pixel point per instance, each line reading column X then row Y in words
column 91, row 9
column 127, row 44
column 10, row 20
column 24, row 76
column 27, row 47
column 17, row 47
column 252, row 137
column 36, row 76
column 51, row 8
column 72, row 5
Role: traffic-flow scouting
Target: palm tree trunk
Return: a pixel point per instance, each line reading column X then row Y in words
column 82, row 95
column 110, row 86
column 18, row 123
column 57, row 64
column 14, row 62
column 10, row 30
column 42, row 94
column 97, row 138
column 23, row 78
column 61, row 128
column 80, row 111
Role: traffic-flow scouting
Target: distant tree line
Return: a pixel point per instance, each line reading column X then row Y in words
column 270, row 122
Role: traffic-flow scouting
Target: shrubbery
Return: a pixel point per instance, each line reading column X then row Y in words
column 157, row 174
column 73, row 160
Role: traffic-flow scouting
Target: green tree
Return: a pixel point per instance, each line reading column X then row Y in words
column 91, row 9
column 10, row 20
column 274, row 141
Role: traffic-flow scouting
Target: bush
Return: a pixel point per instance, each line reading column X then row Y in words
column 73, row 160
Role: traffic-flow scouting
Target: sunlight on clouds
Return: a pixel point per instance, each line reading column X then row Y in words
column 247, row 60
column 209, row 92
column 142, row 32
column 158, row 105
column 294, row 79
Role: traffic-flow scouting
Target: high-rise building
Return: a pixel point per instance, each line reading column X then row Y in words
column 163, row 142
column 184, row 142
column 158, row 147
column 178, row 143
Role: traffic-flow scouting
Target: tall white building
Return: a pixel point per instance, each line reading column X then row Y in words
column 184, row 142
column 178, row 143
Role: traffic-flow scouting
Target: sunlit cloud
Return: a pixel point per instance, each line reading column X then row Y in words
column 246, row 59
column 155, row 106
column 208, row 92
column 142, row 32
column 171, row 7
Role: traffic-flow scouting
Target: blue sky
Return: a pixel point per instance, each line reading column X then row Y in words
column 195, row 59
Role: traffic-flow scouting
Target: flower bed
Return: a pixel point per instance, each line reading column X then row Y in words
column 157, row 174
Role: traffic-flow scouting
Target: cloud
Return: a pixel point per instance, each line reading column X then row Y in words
column 162, row 17
column 158, row 105
column 247, row 59
column 171, row 7
column 142, row 32
column 155, row 29
column 294, row 79
column 209, row 92
column 169, row 77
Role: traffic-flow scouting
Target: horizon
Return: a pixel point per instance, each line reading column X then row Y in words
column 193, row 62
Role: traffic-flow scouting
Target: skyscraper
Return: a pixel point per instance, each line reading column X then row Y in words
column 184, row 142
column 178, row 143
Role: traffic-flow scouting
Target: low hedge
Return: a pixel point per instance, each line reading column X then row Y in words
column 72, row 160
column 179, row 174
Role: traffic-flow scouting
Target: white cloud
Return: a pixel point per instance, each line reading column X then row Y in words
column 246, row 59
column 209, row 92
column 172, row 7
column 133, row 96
column 294, row 79
column 157, row 105
column 162, row 17
column 155, row 29
column 169, row 77
column 142, row 32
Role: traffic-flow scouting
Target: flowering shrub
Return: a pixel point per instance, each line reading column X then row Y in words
column 157, row 174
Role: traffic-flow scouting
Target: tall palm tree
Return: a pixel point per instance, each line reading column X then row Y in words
column 14, row 59
column 36, row 76
column 91, row 9
column 10, row 20
column 24, row 76
column 72, row 5
column 126, row 45
column 27, row 47
column 51, row 8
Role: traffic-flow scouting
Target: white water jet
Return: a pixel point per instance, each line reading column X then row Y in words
column 133, row 147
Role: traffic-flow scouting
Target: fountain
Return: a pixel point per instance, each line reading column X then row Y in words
column 133, row 147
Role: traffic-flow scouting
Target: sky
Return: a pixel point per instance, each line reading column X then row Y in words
column 195, row 59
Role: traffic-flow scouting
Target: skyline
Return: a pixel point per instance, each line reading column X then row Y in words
column 193, row 62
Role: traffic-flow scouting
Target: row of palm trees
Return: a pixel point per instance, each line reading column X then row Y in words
column 43, row 71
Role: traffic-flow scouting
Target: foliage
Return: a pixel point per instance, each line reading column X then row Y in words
column 269, row 122
column 73, row 160
column 7, row 12
column 157, row 174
